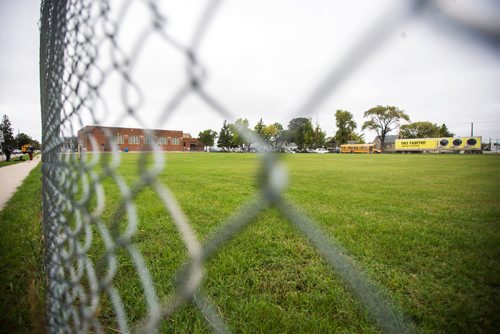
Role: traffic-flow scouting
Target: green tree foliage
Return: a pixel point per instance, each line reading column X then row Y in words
column 424, row 130
column 418, row 130
column 272, row 133
column 444, row 132
column 330, row 142
column 318, row 137
column 23, row 139
column 8, row 132
column 309, row 134
column 286, row 136
column 236, row 130
column 36, row 144
column 300, row 131
column 259, row 128
column 384, row 119
column 358, row 138
column 346, row 127
column 225, row 137
column 207, row 137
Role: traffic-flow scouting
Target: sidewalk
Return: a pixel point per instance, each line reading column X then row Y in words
column 12, row 176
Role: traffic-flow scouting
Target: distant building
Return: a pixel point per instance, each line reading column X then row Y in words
column 389, row 143
column 69, row 143
column 101, row 138
column 191, row 144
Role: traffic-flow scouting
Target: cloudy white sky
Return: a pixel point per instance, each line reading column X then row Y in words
column 265, row 58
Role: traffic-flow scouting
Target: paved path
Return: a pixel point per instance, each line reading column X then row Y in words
column 12, row 176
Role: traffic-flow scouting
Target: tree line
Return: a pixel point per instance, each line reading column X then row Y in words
column 380, row 119
column 15, row 142
column 300, row 131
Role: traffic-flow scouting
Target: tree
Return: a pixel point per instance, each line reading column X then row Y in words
column 23, row 139
column 330, row 142
column 272, row 133
column 419, row 130
column 358, row 138
column 318, row 137
column 346, row 127
column 444, row 132
column 286, row 136
column 300, row 131
column 207, row 137
column 383, row 120
column 424, row 130
column 225, row 137
column 236, row 130
column 8, row 132
column 309, row 134
column 259, row 128
column 36, row 144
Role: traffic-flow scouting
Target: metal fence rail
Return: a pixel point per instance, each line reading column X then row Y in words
column 73, row 71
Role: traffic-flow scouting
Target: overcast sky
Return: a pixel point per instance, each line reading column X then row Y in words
column 265, row 58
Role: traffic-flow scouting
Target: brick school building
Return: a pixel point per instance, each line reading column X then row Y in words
column 102, row 138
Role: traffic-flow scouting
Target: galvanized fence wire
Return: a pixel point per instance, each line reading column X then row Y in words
column 73, row 35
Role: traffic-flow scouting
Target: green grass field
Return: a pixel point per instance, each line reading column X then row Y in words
column 424, row 228
column 21, row 278
column 14, row 160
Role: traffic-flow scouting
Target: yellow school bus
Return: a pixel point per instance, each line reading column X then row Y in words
column 358, row 148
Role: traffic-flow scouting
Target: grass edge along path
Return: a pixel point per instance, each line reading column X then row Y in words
column 14, row 160
column 21, row 247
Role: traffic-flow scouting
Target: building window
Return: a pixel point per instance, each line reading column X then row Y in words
column 134, row 140
column 175, row 141
column 163, row 141
column 149, row 140
column 119, row 139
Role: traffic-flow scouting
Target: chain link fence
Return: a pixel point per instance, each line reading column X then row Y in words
column 81, row 50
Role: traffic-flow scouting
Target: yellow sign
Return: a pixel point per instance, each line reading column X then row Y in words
column 439, row 144
column 416, row 144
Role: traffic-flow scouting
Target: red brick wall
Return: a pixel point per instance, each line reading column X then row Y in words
column 192, row 144
column 106, row 136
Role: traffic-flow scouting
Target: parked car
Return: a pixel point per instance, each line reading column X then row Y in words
column 16, row 151
column 334, row 149
column 321, row 150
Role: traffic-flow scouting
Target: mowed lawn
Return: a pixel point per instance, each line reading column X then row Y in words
column 424, row 228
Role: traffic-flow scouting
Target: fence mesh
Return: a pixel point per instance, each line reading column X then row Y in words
column 82, row 49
